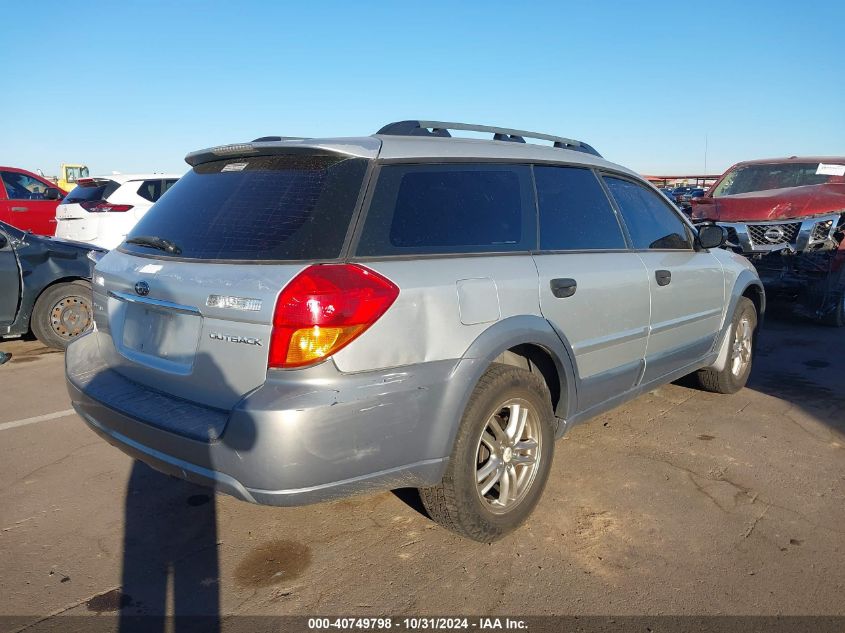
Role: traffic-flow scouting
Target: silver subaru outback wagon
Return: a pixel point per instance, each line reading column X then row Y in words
column 302, row 319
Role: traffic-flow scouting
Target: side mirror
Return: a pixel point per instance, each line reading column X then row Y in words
column 52, row 193
column 712, row 236
column 3, row 241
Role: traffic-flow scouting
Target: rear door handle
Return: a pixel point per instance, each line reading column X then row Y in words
column 564, row 287
column 20, row 208
column 664, row 277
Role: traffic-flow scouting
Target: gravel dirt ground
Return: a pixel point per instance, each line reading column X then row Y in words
column 681, row 502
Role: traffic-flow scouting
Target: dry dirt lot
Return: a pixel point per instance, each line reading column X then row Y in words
column 681, row 502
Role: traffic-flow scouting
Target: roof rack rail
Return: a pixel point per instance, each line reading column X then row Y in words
column 441, row 129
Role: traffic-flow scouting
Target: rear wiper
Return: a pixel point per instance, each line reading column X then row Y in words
column 155, row 242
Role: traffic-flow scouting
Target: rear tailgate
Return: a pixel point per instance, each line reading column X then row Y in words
column 181, row 338
column 185, row 306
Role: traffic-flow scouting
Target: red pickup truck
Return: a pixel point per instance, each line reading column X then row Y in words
column 788, row 216
column 28, row 201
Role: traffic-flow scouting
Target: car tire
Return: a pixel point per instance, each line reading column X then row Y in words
column 62, row 313
column 516, row 457
column 741, row 344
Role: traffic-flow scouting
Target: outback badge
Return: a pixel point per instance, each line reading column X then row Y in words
column 246, row 340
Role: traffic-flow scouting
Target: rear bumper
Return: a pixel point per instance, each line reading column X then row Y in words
column 303, row 437
column 98, row 230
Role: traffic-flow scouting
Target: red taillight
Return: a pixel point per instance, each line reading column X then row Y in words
column 101, row 206
column 323, row 309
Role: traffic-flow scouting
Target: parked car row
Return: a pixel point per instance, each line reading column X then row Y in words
column 100, row 211
column 45, row 282
column 682, row 197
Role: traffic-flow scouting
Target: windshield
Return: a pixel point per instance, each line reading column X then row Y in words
column 75, row 173
column 289, row 207
column 750, row 178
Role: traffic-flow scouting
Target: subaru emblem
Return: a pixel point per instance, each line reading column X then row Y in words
column 142, row 288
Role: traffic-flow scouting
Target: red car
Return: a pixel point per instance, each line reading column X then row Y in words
column 28, row 201
column 788, row 216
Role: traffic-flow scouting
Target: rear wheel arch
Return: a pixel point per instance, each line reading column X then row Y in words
column 64, row 280
column 539, row 360
column 530, row 342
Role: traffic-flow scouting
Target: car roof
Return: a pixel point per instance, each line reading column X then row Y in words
column 793, row 159
column 410, row 148
column 24, row 171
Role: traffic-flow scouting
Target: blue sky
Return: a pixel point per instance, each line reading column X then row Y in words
column 134, row 86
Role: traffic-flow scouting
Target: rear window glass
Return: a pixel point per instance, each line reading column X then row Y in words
column 257, row 208
column 454, row 208
column 99, row 191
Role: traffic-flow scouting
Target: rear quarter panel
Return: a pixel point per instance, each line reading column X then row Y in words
column 444, row 304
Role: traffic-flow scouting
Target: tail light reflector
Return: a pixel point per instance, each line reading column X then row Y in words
column 101, row 206
column 323, row 309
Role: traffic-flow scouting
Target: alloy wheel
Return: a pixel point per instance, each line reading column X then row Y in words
column 508, row 456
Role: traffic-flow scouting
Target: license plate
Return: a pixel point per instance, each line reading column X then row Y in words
column 161, row 333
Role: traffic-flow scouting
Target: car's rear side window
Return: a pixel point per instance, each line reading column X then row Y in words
column 450, row 208
column 150, row 190
column 291, row 207
column 650, row 221
column 575, row 213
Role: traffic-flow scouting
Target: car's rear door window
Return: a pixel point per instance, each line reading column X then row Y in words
column 651, row 223
column 450, row 208
column 283, row 207
column 575, row 213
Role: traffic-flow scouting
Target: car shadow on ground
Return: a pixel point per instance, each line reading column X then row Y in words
column 171, row 571
column 170, row 544
column 802, row 362
column 411, row 498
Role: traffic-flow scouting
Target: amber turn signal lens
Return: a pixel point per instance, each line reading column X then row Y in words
column 314, row 343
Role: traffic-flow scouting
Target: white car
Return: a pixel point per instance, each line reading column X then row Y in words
column 102, row 210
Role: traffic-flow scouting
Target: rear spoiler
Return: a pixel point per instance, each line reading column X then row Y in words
column 365, row 147
column 92, row 182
